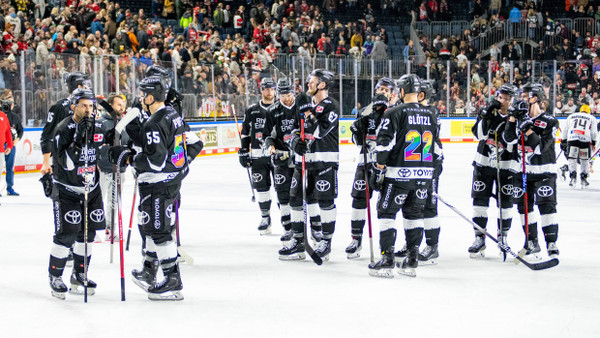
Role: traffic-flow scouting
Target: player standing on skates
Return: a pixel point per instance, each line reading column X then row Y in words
column 579, row 138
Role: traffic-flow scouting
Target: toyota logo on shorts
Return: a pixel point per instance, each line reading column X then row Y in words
column 169, row 211
column 256, row 177
column 421, row 194
column 360, row 185
column 507, row 189
column 399, row 199
column 478, row 186
column 404, row 172
column 279, row 179
column 294, row 183
column 97, row 215
column 143, row 218
column 73, row 217
column 517, row 192
column 545, row 191
column 323, row 185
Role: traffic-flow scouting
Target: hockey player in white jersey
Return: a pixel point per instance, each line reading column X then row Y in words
column 579, row 138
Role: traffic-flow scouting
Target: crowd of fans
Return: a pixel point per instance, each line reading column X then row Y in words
column 221, row 49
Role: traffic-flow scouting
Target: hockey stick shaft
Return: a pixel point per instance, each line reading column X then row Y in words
column 499, row 192
column 237, row 126
column 85, row 219
column 368, row 197
column 120, row 216
column 594, row 155
column 307, row 246
column 525, row 189
column 534, row 266
column 135, row 187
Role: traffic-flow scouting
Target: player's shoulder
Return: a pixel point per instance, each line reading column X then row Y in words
column 61, row 105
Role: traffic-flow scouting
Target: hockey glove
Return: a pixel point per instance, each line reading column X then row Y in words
column 357, row 130
column 84, row 127
column 525, row 125
column 487, row 112
column 109, row 137
column 310, row 120
column 377, row 177
column 47, row 184
column 115, row 152
column 303, row 102
column 563, row 146
column 134, row 131
column 301, row 147
column 518, row 110
column 280, row 158
column 244, row 157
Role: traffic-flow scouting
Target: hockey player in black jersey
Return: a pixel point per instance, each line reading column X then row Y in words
column 161, row 166
column 58, row 112
column 281, row 117
column 403, row 173
column 253, row 153
column 364, row 128
column 74, row 146
column 535, row 128
column 488, row 129
column 320, row 149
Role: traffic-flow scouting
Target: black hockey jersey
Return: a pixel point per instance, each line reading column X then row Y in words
column 540, row 156
column 322, row 138
column 485, row 131
column 253, row 128
column 106, row 123
column 164, row 157
column 69, row 159
column 58, row 112
column 372, row 121
column 405, row 144
column 280, row 125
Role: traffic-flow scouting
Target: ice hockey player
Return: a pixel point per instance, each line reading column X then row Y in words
column 528, row 124
column 488, row 129
column 58, row 112
column 161, row 166
column 253, row 154
column 364, row 128
column 402, row 174
column 105, row 134
column 579, row 140
column 281, row 117
column 74, row 153
column 320, row 149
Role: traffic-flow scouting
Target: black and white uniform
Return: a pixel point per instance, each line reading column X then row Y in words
column 430, row 213
column 540, row 170
column 405, row 145
column 358, row 193
column 322, row 162
column 581, row 134
column 161, row 166
column 68, row 197
column 253, row 137
column 58, row 112
column 485, row 166
column 278, row 132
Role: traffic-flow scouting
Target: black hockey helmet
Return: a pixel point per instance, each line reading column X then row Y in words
column 385, row 81
column 324, row 76
column 537, row 90
column 75, row 79
column 410, row 83
column 156, row 86
column 508, row 89
column 426, row 89
column 267, row 82
column 379, row 100
column 526, row 88
column 81, row 94
column 284, row 86
column 160, row 71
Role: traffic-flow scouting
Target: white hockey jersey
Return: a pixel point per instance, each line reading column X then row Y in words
column 581, row 127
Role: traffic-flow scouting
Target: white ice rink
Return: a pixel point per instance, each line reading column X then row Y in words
column 238, row 287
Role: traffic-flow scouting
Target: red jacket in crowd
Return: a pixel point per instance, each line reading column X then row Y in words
column 5, row 134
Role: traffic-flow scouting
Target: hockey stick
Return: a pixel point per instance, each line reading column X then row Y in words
column 368, row 196
column 524, row 250
column 307, row 246
column 86, row 188
column 121, row 257
column 499, row 191
column 135, row 187
column 186, row 257
column 247, row 168
column 533, row 266
column 594, row 155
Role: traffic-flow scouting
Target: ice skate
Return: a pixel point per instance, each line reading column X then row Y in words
column 146, row 277
column 532, row 250
column 409, row 264
column 573, row 181
column 429, row 255
column 477, row 249
column 402, row 252
column 293, row 251
column 562, row 172
column 169, row 288
column 316, row 236
column 384, row 268
column 502, row 240
column 323, row 249
column 584, row 183
column 265, row 226
column 77, row 287
column 353, row 250
column 287, row 236
column 59, row 289
column 552, row 249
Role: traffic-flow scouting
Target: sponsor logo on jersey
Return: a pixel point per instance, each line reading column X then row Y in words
column 478, row 186
column 73, row 217
column 322, row 185
column 98, row 137
column 319, row 109
column 97, row 215
column 539, row 123
column 83, row 170
column 359, row 185
column 545, row 191
column 178, row 157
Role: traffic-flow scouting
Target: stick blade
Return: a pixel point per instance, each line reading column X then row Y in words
column 542, row 265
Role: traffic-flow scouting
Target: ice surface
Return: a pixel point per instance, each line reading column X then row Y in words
column 239, row 288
